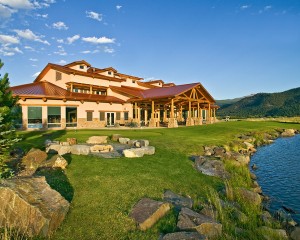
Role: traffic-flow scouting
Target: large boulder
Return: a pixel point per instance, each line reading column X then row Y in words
column 191, row 220
column 124, row 140
column 101, row 148
column 72, row 141
column 56, row 161
column 133, row 152
column 144, row 142
column 249, row 196
column 240, row 159
column 80, row 150
column 288, row 133
column 147, row 212
column 149, row 150
column 115, row 137
column 177, row 200
column 184, row 236
column 211, row 167
column 31, row 161
column 31, row 206
column 97, row 140
column 59, row 149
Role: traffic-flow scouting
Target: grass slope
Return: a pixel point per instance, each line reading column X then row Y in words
column 106, row 189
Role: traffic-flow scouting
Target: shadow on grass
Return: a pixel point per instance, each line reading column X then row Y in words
column 57, row 180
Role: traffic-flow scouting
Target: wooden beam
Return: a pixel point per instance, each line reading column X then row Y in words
column 172, row 108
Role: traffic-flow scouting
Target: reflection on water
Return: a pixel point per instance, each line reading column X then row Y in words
column 279, row 173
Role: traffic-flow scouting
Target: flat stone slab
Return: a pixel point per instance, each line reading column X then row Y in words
column 177, row 200
column 31, row 206
column 211, row 167
column 80, row 149
column 184, row 236
column 97, row 140
column 123, row 140
column 56, row 161
column 147, row 212
column 133, row 152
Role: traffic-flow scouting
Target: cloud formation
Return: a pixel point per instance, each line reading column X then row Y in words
column 29, row 35
column 18, row 4
column 36, row 74
column 100, row 40
column 70, row 40
column 7, row 39
column 118, row 7
column 244, row 7
column 60, row 26
column 94, row 15
column 6, row 12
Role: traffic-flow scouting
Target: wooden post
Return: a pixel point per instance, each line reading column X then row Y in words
column 135, row 111
column 71, row 87
column 91, row 89
column 198, row 110
column 172, row 108
column 152, row 110
column 209, row 113
column 146, row 116
column 190, row 106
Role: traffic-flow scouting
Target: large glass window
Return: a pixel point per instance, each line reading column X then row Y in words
column 54, row 117
column 35, row 117
column 89, row 116
column 102, row 116
column 126, row 115
column 71, row 116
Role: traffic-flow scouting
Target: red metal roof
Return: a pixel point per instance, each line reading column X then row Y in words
column 51, row 91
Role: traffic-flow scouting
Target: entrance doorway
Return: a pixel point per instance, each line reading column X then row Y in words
column 110, row 118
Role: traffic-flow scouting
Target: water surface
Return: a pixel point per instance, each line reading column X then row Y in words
column 279, row 173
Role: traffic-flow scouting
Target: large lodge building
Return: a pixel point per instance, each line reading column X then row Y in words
column 79, row 95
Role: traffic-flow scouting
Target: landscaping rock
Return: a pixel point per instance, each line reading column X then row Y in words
column 30, row 163
column 144, row 143
column 57, row 148
column 285, row 218
column 31, row 206
column 64, row 143
column 211, row 167
column 295, row 234
column 240, row 159
column 56, row 161
column 184, row 236
column 249, row 196
column 270, row 233
column 254, row 166
column 249, row 146
column 132, row 142
column 80, row 150
column 72, row 141
column 266, row 217
column 97, row 140
column 149, row 150
column 219, row 151
column 288, row 133
column 101, row 148
column 124, row 140
column 133, row 152
column 137, row 144
column 191, row 220
column 115, row 137
column 147, row 212
column 177, row 200
column 253, row 176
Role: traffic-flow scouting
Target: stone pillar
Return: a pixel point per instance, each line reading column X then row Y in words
column 24, row 117
column 190, row 120
column 165, row 115
column 45, row 117
column 63, row 116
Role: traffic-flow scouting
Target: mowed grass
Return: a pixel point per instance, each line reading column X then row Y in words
column 105, row 190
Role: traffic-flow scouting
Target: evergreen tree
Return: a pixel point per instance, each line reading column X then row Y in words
column 8, row 105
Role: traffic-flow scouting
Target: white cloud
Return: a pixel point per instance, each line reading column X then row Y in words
column 85, row 52
column 94, row 15
column 29, row 35
column 36, row 74
column 33, row 59
column 61, row 51
column 60, row 26
column 109, row 50
column 70, row 40
column 18, row 4
column 6, row 12
column 16, row 49
column 7, row 39
column 100, row 40
column 118, row 7
column 245, row 7
column 7, row 51
column 42, row 15
column 266, row 8
column 62, row 62
column 60, row 40
column 29, row 48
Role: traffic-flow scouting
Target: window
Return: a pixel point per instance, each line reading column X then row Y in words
column 102, row 116
column 35, row 117
column 118, row 116
column 58, row 76
column 81, row 66
column 71, row 116
column 75, row 90
column 103, row 92
column 125, row 115
column 133, row 81
column 109, row 73
column 54, row 117
column 89, row 116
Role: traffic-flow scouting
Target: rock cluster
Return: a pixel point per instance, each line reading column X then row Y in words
column 137, row 148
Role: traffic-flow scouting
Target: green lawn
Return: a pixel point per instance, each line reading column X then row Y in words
column 104, row 190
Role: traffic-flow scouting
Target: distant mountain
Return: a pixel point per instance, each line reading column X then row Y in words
column 262, row 105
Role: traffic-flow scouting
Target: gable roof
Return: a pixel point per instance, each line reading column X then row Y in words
column 172, row 91
column 131, row 91
column 68, row 70
column 77, row 63
column 51, row 91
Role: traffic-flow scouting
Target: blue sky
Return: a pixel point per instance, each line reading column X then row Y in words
column 234, row 48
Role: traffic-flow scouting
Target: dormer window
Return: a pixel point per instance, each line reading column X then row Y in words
column 109, row 73
column 81, row 66
column 133, row 81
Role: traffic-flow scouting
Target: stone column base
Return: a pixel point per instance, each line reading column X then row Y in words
column 172, row 123
column 190, row 122
column 198, row 121
column 152, row 122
